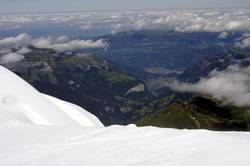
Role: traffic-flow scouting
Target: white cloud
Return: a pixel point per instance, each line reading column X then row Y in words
column 244, row 42
column 42, row 42
column 62, row 39
column 11, row 58
column 223, row 35
column 68, row 45
column 187, row 20
column 7, row 55
column 17, row 41
column 230, row 85
column 60, row 44
column 79, row 44
column 5, row 51
column 211, row 20
column 86, row 26
column 24, row 50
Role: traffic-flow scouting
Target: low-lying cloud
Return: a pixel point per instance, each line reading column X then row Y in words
column 11, row 58
column 223, row 35
column 230, row 85
column 19, row 40
column 60, row 44
column 211, row 20
column 244, row 41
column 24, row 50
column 7, row 55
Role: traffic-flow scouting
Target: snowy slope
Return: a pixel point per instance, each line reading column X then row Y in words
column 21, row 103
column 121, row 146
column 78, row 114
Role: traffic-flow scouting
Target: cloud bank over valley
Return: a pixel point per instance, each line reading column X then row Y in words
column 22, row 41
column 230, row 85
column 93, row 23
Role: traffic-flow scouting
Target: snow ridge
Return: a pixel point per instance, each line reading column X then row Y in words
column 22, row 103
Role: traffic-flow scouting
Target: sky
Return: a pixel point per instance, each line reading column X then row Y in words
column 22, row 6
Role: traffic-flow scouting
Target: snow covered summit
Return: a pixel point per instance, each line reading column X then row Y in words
column 21, row 103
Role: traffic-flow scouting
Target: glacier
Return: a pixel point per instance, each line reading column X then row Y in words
column 41, row 130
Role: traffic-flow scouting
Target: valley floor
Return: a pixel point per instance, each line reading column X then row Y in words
column 32, row 145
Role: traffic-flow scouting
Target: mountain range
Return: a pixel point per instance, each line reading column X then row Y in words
column 136, row 90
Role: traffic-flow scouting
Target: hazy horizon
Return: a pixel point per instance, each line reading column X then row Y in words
column 29, row 6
